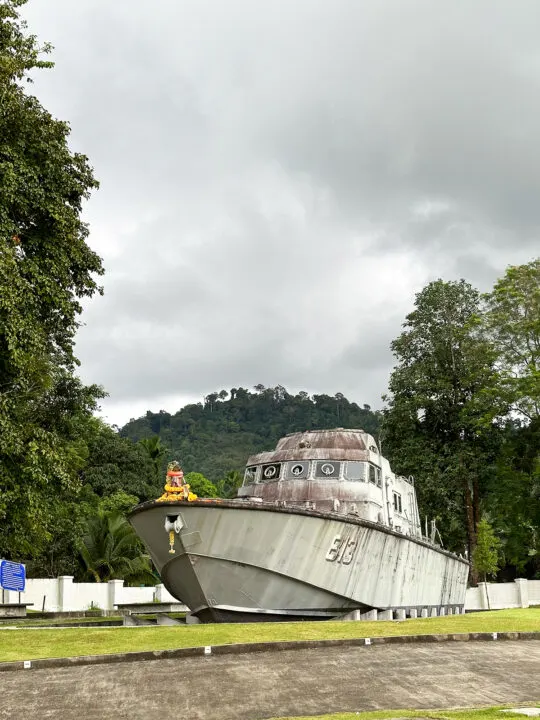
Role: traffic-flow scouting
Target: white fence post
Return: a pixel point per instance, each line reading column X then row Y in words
column 115, row 586
column 65, row 593
column 523, row 592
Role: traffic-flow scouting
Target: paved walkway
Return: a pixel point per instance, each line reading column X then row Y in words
column 292, row 682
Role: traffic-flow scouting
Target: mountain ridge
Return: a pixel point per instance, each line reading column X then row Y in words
column 217, row 436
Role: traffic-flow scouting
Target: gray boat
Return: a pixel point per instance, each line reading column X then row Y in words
column 321, row 528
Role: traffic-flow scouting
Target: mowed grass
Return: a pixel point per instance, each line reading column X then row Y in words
column 485, row 714
column 30, row 622
column 29, row 644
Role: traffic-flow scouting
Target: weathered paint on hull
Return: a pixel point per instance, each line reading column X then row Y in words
column 251, row 560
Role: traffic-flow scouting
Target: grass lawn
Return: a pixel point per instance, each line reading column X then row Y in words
column 29, row 644
column 486, row 714
column 30, row 622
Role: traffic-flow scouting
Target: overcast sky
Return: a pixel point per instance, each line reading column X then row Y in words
column 280, row 177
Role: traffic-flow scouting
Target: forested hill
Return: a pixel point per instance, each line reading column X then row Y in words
column 217, row 436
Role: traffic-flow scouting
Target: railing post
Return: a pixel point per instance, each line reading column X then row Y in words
column 115, row 586
column 523, row 592
column 65, row 586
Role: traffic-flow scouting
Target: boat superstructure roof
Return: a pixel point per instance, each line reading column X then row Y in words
column 335, row 444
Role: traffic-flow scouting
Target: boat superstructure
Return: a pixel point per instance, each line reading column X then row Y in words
column 339, row 471
column 321, row 527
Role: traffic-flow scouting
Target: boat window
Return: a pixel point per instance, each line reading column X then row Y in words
column 327, row 469
column 271, row 472
column 355, row 471
column 297, row 470
column 250, row 475
column 397, row 502
column 375, row 475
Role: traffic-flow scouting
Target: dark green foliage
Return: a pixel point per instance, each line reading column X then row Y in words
column 117, row 464
column 463, row 412
column 512, row 319
column 46, row 267
column 486, row 552
column 66, row 524
column 155, row 451
column 110, row 549
column 119, row 502
column 513, row 498
column 42, row 188
column 218, row 436
column 201, row 486
column 439, row 422
column 227, row 487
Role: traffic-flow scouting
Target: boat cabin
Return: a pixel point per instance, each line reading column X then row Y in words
column 339, row 471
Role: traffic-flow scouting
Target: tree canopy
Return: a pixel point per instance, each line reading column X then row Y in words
column 46, row 268
column 216, row 436
column 512, row 319
column 110, row 549
column 461, row 411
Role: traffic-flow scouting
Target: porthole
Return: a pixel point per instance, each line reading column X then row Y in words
column 271, row 472
column 327, row 469
column 297, row 470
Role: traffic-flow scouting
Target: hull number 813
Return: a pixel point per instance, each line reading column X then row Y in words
column 343, row 548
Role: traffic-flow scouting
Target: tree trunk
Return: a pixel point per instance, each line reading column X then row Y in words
column 471, row 526
column 476, row 520
column 476, row 502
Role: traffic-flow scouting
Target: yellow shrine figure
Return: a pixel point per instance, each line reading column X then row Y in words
column 175, row 487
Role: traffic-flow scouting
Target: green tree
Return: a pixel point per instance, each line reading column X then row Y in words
column 513, row 320
column 201, row 486
column 116, row 464
column 66, row 522
column 110, row 549
column 46, row 268
column 486, row 553
column 156, row 452
column 439, row 423
column 119, row 502
column 227, row 487
column 218, row 437
column 513, row 498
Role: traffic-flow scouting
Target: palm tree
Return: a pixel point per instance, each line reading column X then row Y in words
column 228, row 486
column 110, row 549
column 156, row 450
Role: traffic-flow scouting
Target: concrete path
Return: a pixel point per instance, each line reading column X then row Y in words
column 292, row 682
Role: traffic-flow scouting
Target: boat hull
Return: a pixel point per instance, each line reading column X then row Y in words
column 249, row 561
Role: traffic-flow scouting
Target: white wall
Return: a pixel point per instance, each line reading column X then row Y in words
column 520, row 593
column 40, row 588
column 534, row 592
column 62, row 594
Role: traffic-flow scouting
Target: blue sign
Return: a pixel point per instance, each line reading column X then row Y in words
column 12, row 576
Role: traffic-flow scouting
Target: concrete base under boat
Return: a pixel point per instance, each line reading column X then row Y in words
column 249, row 615
column 227, row 614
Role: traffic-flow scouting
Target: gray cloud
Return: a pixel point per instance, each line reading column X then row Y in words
column 278, row 179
